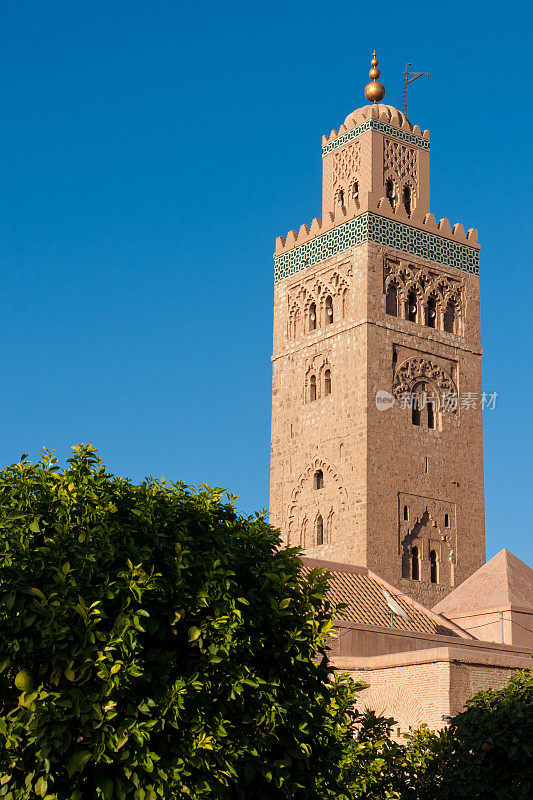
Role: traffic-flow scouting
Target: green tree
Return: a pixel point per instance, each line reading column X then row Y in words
column 373, row 767
column 156, row 644
column 487, row 751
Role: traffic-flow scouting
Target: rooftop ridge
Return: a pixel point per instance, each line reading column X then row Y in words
column 318, row 226
column 504, row 580
column 423, row 617
column 378, row 112
column 436, row 242
column 414, row 137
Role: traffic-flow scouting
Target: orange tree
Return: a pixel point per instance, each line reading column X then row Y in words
column 153, row 643
column 487, row 751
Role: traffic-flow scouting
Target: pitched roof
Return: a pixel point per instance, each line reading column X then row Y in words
column 502, row 582
column 366, row 603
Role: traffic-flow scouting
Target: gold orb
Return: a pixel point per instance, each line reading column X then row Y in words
column 374, row 92
column 374, row 62
column 374, row 73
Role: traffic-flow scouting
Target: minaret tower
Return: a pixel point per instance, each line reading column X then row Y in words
column 377, row 444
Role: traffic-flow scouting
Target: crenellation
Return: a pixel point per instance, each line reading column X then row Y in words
column 307, row 232
column 378, row 297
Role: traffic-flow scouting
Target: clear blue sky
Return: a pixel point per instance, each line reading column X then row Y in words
column 151, row 152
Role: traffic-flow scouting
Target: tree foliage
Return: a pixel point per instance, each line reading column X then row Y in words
column 488, row 748
column 485, row 753
column 156, row 644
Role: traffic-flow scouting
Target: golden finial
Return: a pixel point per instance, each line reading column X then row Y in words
column 374, row 91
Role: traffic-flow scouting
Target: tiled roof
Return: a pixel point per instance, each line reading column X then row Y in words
column 366, row 604
column 501, row 582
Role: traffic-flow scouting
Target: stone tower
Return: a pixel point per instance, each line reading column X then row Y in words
column 377, row 444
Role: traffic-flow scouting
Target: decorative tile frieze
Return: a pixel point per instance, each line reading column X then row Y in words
column 390, row 130
column 373, row 228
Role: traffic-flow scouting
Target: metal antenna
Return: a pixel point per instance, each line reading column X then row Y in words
column 409, row 77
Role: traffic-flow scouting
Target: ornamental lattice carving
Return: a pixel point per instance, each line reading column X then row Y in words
column 425, row 282
column 346, row 164
column 316, row 290
column 415, row 370
column 303, row 496
column 400, row 159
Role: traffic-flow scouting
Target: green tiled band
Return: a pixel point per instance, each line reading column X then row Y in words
column 404, row 136
column 374, row 228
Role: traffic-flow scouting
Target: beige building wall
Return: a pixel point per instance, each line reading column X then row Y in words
column 351, row 482
column 507, row 624
column 428, row 686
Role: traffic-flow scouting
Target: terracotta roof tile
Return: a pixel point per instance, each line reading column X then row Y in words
column 366, row 604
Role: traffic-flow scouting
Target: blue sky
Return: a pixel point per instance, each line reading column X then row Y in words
column 151, row 153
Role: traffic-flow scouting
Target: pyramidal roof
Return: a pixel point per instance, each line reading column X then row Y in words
column 502, row 582
column 365, row 595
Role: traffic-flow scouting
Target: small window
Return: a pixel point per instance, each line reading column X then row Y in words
column 329, row 310
column 318, row 479
column 407, row 198
column 416, row 408
column 327, row 381
column 433, row 563
column 431, row 413
column 411, row 309
column 406, row 512
column 295, row 325
column 415, row 564
column 355, row 190
column 449, row 318
column 312, row 317
column 391, row 305
column 446, row 520
column 389, row 190
column 319, row 530
column 312, row 388
column 431, row 313
column 340, row 197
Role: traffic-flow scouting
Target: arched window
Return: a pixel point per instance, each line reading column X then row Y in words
column 417, row 404
column 312, row 388
column 431, row 313
column 318, row 479
column 389, row 191
column 415, row 564
column 340, row 197
column 295, row 324
column 430, row 404
column 303, row 539
column 355, row 190
column 407, row 198
column 327, row 382
column 433, row 563
column 391, row 304
column 312, row 317
column 319, row 530
column 329, row 310
column 411, row 307
column 406, row 512
column 423, row 406
column 449, row 318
